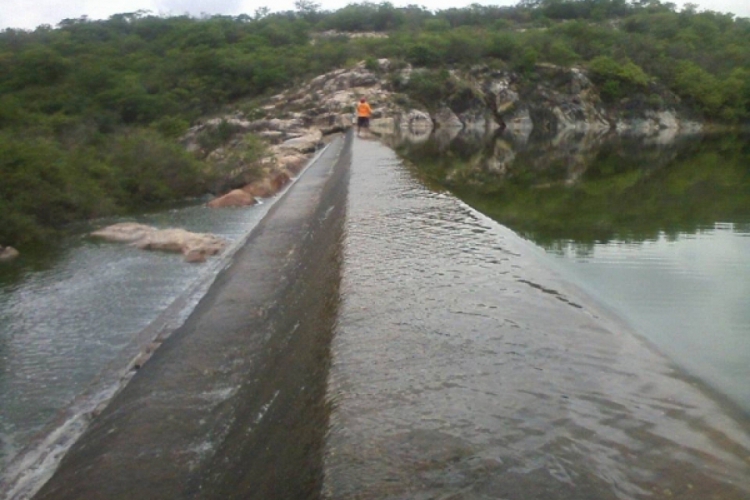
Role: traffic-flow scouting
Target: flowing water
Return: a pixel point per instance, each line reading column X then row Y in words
column 70, row 324
column 463, row 367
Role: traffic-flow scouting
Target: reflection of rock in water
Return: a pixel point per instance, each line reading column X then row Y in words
column 444, row 136
column 383, row 126
column 413, row 126
column 560, row 158
column 502, row 157
column 520, row 127
column 416, row 126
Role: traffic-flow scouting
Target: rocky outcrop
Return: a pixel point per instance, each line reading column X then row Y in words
column 195, row 247
column 559, row 101
column 8, row 253
column 308, row 142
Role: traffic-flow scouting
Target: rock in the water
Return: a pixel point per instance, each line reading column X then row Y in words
column 182, row 241
column 279, row 180
column 260, row 189
column 236, row 198
column 194, row 246
column 8, row 253
column 195, row 257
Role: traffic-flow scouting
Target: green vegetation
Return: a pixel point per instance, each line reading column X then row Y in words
column 90, row 111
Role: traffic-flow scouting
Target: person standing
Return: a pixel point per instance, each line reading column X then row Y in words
column 364, row 112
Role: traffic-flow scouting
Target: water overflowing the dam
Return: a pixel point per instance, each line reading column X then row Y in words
column 463, row 368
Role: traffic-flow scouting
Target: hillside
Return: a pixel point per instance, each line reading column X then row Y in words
column 92, row 112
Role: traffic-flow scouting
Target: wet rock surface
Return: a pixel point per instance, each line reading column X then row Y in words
column 234, row 198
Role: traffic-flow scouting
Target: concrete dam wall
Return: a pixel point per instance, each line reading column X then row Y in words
column 375, row 339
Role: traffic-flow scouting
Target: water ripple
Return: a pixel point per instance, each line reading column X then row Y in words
column 464, row 369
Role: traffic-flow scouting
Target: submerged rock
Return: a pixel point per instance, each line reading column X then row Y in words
column 194, row 246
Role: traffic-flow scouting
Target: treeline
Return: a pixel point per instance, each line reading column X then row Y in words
column 90, row 110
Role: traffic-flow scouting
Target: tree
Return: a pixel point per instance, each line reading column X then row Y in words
column 307, row 9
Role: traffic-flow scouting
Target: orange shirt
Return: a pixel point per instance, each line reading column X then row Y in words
column 364, row 110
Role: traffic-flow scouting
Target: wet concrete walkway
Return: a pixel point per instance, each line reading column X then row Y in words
column 377, row 340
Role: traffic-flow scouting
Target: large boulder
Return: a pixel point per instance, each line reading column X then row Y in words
column 501, row 93
column 8, row 253
column 235, row 198
column 329, row 123
column 276, row 124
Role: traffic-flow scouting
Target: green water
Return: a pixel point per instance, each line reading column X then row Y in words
column 659, row 231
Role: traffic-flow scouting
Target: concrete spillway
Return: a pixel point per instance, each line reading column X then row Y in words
column 375, row 339
column 244, row 378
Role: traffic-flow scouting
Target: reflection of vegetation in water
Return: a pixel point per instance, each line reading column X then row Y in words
column 621, row 189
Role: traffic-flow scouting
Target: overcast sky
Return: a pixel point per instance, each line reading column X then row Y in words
column 27, row 14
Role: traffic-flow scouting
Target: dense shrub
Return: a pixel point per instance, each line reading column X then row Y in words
column 616, row 79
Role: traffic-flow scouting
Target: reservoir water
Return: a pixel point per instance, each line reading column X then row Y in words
column 659, row 231
column 688, row 295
